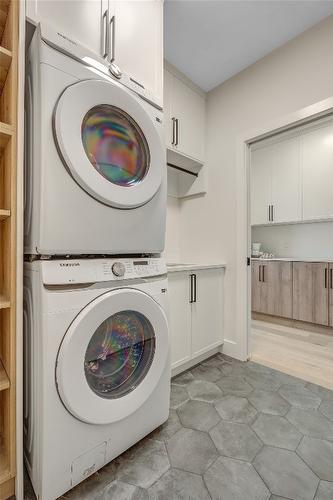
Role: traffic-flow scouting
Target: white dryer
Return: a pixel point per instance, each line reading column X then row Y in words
column 97, row 364
column 95, row 157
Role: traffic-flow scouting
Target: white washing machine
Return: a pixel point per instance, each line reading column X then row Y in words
column 95, row 156
column 97, row 364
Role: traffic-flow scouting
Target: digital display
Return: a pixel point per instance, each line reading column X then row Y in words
column 140, row 263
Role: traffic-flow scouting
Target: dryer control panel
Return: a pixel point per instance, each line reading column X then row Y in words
column 67, row 271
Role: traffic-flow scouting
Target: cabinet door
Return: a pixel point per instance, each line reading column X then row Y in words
column 310, row 292
column 261, row 164
column 286, row 181
column 189, row 108
column 330, row 295
column 207, row 311
column 167, row 100
column 180, row 318
column 277, row 288
column 317, row 164
column 255, row 285
column 138, row 41
column 81, row 20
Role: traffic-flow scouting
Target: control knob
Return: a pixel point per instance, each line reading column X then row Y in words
column 115, row 70
column 118, row 269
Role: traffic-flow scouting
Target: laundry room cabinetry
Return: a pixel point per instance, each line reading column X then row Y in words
column 128, row 33
column 276, row 183
column 9, row 16
column 196, row 315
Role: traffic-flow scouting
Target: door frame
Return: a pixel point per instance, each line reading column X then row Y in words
column 240, row 348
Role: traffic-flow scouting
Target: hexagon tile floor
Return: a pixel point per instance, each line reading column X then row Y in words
column 237, row 431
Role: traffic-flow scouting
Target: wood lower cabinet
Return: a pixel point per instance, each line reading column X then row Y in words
column 272, row 288
column 310, row 292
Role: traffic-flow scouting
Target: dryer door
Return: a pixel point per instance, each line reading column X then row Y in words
column 112, row 356
column 109, row 143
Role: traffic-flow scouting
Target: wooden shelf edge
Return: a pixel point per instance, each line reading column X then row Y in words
column 4, row 214
column 4, row 380
column 4, row 302
column 6, row 129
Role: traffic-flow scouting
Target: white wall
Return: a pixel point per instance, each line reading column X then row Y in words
column 314, row 241
column 172, row 251
column 296, row 75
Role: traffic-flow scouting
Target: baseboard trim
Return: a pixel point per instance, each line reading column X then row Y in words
column 293, row 323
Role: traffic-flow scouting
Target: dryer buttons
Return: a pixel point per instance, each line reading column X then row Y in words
column 118, row 269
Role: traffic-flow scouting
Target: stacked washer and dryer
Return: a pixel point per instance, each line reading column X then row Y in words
column 97, row 367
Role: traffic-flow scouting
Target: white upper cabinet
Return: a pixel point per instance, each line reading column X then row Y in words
column 129, row 33
column 137, row 34
column 317, row 153
column 286, row 182
column 276, row 183
column 184, row 117
column 80, row 20
column 261, row 184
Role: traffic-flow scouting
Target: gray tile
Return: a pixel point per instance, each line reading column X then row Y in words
column 124, row 491
column 286, row 474
column 236, row 409
column 322, row 392
column 311, row 423
column 143, row 464
column 326, row 408
column 178, row 396
column 285, row 379
column 257, row 368
column 178, row 485
column 191, row 451
column 318, row 454
column 300, row 397
column 183, row 379
column 269, row 402
column 265, row 382
column 230, row 479
column 204, row 391
column 168, row 429
column 277, row 431
column 235, row 440
column 236, row 385
column 198, row 415
column 275, row 497
column 325, row 491
column 209, row 373
column 214, row 362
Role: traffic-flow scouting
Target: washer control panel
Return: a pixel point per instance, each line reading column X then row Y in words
column 66, row 271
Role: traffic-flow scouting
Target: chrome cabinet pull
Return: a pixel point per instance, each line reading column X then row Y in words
column 173, row 130
column 112, row 38
column 177, row 132
column 191, row 288
column 105, row 34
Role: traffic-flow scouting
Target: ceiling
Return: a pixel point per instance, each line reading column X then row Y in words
column 210, row 41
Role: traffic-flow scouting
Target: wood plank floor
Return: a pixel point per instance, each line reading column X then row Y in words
column 298, row 352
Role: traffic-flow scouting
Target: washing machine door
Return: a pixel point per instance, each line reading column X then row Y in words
column 109, row 143
column 112, row 356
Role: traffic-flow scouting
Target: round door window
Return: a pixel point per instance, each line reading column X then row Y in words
column 115, row 145
column 119, row 354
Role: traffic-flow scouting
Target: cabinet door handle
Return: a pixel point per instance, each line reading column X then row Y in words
column 195, row 287
column 272, row 213
column 259, row 273
column 112, row 38
column 177, row 132
column 269, row 213
column 173, row 130
column 191, row 288
column 105, row 34
column 325, row 279
column 331, row 278
column 263, row 274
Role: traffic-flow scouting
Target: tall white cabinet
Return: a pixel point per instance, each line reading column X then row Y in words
column 317, row 154
column 127, row 32
column 196, row 315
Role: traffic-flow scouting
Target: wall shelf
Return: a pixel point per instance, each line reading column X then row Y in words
column 5, row 61
column 4, row 303
column 4, row 214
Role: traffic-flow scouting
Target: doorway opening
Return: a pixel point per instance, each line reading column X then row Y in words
column 290, row 240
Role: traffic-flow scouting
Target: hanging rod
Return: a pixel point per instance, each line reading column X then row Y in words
column 182, row 169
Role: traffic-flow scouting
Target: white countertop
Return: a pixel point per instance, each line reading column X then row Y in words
column 175, row 267
column 291, row 259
